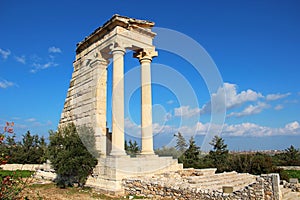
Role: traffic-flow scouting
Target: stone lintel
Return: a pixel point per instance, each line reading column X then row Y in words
column 142, row 26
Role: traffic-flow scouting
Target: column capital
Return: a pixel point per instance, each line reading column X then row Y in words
column 145, row 54
column 117, row 48
column 95, row 57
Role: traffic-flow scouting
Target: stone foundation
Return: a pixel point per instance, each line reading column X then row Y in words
column 110, row 171
column 178, row 185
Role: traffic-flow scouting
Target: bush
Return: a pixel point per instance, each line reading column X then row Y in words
column 11, row 183
column 69, row 157
column 168, row 151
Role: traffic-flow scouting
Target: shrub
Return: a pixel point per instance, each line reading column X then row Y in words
column 69, row 157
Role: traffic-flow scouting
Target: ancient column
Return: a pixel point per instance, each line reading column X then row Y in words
column 145, row 57
column 118, row 102
column 100, row 74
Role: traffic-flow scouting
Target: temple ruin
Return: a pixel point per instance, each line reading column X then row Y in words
column 86, row 100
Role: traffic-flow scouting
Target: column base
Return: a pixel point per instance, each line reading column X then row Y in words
column 117, row 153
column 147, row 153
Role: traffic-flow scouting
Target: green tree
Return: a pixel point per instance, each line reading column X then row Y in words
column 191, row 156
column 132, row 148
column 31, row 150
column 181, row 144
column 292, row 156
column 69, row 157
column 219, row 154
column 261, row 164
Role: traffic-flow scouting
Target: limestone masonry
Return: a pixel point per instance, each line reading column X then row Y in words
column 85, row 103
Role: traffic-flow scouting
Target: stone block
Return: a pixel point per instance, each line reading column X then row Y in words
column 294, row 180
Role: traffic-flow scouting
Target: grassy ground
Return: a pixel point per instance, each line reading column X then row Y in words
column 47, row 190
column 287, row 174
column 17, row 173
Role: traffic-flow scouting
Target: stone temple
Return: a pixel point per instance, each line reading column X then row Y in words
column 86, row 100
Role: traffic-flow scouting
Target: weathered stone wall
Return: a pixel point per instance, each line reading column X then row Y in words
column 30, row 167
column 85, row 103
column 289, row 167
column 264, row 188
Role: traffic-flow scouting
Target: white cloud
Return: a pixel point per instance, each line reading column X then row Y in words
column 293, row 126
column 239, row 130
column 251, row 129
column 5, row 84
column 228, row 97
column 4, row 53
column 38, row 66
column 278, row 107
column 234, row 99
column 30, row 120
column 273, row 97
column 54, row 50
column 186, row 111
column 132, row 128
column 21, row 59
column 158, row 129
column 250, row 110
column 170, row 102
column 246, row 129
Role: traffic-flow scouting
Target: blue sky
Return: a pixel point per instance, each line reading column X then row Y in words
column 254, row 44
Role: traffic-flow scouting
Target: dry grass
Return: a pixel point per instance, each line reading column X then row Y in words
column 49, row 191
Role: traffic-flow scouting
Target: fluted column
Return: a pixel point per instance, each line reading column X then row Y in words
column 118, row 102
column 145, row 57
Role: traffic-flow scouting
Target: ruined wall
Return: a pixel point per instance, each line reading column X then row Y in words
column 85, row 103
column 265, row 188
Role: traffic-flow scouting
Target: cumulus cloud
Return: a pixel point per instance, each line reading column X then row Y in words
column 247, row 129
column 21, row 59
column 293, row 126
column 132, row 128
column 5, row 84
column 4, row 54
column 250, row 110
column 273, row 97
column 186, row 111
column 54, row 50
column 228, row 97
column 158, row 128
column 235, row 130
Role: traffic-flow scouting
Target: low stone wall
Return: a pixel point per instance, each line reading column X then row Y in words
column 289, row 167
column 265, row 188
column 30, row 167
